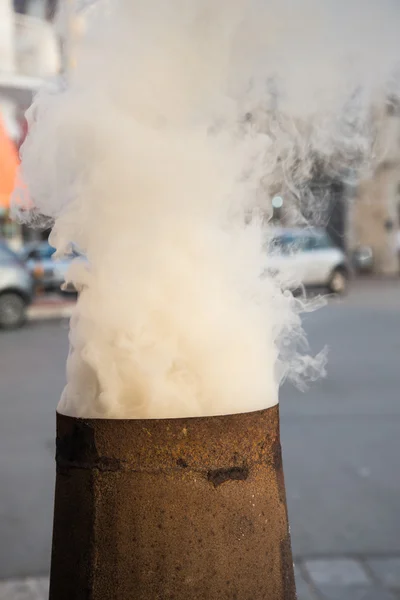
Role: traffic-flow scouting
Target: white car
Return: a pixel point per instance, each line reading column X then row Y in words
column 308, row 257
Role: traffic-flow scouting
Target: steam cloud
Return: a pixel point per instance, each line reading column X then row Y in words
column 179, row 121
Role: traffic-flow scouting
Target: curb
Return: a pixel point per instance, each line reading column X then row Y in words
column 48, row 312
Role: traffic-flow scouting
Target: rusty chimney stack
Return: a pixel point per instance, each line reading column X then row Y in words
column 172, row 509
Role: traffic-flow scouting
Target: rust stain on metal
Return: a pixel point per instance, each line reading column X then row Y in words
column 220, row 476
column 178, row 509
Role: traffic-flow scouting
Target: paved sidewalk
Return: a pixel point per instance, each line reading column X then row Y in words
column 52, row 306
column 27, row 589
column 316, row 579
column 348, row 579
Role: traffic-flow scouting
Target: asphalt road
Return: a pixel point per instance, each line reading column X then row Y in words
column 341, row 439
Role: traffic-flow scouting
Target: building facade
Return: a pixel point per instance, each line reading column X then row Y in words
column 374, row 209
column 29, row 53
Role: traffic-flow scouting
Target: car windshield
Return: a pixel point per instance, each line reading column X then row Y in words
column 6, row 253
column 288, row 243
column 319, row 241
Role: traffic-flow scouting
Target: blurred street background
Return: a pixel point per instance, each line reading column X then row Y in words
column 341, row 438
column 340, row 441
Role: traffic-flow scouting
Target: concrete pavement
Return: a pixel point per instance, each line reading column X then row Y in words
column 319, row 579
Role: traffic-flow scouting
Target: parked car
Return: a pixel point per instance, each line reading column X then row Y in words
column 308, row 257
column 16, row 289
column 47, row 272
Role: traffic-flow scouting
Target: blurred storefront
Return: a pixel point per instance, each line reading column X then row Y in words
column 29, row 53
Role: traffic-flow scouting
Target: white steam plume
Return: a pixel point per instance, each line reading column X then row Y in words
column 179, row 119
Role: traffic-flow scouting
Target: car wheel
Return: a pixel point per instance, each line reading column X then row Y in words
column 338, row 282
column 12, row 310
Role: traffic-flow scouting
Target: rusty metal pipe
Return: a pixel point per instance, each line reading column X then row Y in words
column 172, row 509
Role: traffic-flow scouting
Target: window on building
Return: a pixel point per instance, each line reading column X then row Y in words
column 51, row 9
column 21, row 6
column 37, row 8
column 8, row 228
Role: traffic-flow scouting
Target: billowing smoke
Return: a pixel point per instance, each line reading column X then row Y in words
column 156, row 160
